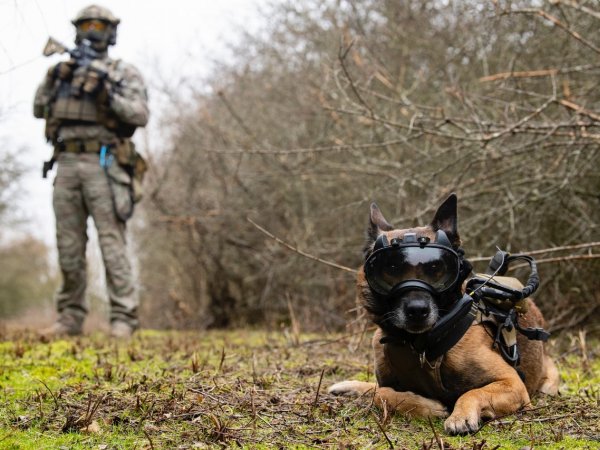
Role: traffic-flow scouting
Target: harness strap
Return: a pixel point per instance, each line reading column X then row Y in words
column 442, row 337
column 446, row 333
column 534, row 334
column 435, row 343
column 507, row 325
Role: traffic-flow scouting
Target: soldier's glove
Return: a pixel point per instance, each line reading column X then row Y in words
column 93, row 82
column 95, row 78
column 64, row 70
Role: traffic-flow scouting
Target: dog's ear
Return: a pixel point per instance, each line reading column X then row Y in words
column 377, row 221
column 445, row 219
column 377, row 224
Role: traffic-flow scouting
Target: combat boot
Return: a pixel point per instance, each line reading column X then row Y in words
column 121, row 330
column 59, row 329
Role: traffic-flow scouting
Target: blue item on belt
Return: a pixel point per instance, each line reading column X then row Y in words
column 105, row 161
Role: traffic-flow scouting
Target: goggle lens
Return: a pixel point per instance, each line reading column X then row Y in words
column 92, row 25
column 388, row 267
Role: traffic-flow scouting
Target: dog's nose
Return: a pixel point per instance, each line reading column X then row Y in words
column 417, row 309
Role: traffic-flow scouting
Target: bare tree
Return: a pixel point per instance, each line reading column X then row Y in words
column 337, row 104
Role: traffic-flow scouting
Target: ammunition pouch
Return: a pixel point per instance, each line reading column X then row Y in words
column 72, row 103
column 125, row 177
column 79, row 146
column 83, row 99
column 81, row 109
column 110, row 121
column 121, row 190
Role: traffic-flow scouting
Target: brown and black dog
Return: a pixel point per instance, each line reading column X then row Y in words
column 471, row 381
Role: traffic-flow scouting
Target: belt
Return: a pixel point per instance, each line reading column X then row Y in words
column 80, row 146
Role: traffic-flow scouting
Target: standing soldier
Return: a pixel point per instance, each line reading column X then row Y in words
column 92, row 105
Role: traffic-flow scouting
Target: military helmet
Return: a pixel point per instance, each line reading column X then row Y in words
column 96, row 12
column 102, row 38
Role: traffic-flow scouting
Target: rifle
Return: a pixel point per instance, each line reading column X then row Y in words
column 83, row 54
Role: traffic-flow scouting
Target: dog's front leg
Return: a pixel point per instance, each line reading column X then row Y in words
column 499, row 398
column 404, row 402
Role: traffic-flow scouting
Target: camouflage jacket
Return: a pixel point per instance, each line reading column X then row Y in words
column 125, row 99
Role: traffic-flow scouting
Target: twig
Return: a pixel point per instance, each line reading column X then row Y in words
column 477, row 259
column 577, row 6
column 148, row 437
column 293, row 151
column 440, row 443
column 300, row 252
column 558, row 23
column 222, row 360
column 51, row 393
column 545, row 250
column 342, row 58
column 580, row 109
column 536, row 73
column 527, row 118
column 236, row 116
column 545, row 419
column 524, row 74
column 318, row 388
column 390, row 443
column 557, row 259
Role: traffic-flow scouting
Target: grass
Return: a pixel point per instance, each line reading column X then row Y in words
column 249, row 389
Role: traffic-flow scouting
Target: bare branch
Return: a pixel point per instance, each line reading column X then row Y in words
column 295, row 151
column 300, row 252
column 559, row 24
column 545, row 250
column 577, row 6
column 580, row 109
column 558, row 259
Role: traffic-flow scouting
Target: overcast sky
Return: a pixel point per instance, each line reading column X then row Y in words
column 163, row 38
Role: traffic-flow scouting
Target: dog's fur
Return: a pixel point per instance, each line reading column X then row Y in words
column 471, row 381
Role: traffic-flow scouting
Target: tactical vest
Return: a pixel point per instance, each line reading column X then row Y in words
column 71, row 104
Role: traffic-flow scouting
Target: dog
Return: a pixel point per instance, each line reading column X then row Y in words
column 469, row 382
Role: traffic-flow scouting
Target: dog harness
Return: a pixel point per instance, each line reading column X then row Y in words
column 494, row 301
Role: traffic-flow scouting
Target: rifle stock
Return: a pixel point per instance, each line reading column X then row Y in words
column 53, row 46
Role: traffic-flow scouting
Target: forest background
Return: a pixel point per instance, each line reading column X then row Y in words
column 331, row 105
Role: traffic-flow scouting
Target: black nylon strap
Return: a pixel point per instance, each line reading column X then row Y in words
column 443, row 336
column 446, row 334
column 534, row 334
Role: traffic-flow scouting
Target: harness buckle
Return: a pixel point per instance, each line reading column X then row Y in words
column 436, row 362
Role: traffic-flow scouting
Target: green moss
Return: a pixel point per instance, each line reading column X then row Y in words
column 247, row 389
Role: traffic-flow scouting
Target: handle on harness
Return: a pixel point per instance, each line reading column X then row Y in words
column 487, row 287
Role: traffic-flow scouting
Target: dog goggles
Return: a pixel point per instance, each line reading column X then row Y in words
column 412, row 262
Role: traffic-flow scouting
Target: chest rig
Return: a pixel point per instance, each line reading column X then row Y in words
column 73, row 103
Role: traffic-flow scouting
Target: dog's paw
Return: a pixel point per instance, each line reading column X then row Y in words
column 461, row 423
column 433, row 408
column 411, row 404
column 350, row 388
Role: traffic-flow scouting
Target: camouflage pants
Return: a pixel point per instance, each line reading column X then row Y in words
column 81, row 189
